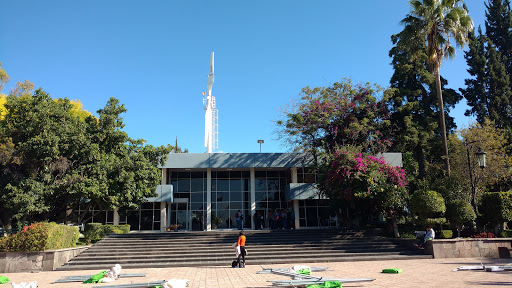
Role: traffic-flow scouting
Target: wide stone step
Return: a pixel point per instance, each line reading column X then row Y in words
column 227, row 262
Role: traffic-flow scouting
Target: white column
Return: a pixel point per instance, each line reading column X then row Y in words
column 163, row 217
column 253, row 194
column 208, row 199
column 116, row 216
column 296, row 211
column 295, row 202
column 164, row 176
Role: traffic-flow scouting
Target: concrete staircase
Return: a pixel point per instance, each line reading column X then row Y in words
column 175, row 249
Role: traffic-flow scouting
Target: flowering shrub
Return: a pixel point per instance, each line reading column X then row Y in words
column 352, row 176
column 40, row 237
column 484, row 235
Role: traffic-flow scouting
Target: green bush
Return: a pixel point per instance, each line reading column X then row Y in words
column 97, row 231
column 460, row 212
column 427, row 204
column 496, row 207
column 506, row 234
column 41, row 237
column 446, row 234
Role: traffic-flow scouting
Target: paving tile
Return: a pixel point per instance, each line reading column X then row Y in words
column 416, row 273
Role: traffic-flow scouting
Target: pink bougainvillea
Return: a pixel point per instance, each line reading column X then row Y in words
column 353, row 175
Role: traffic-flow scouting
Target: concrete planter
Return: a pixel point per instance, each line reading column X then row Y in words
column 467, row 248
column 11, row 262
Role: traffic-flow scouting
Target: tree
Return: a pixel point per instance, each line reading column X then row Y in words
column 498, row 28
column 351, row 176
column 460, row 212
column 435, row 23
column 488, row 92
column 427, row 204
column 413, row 106
column 341, row 115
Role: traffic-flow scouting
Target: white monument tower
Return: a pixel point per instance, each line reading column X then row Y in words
column 211, row 119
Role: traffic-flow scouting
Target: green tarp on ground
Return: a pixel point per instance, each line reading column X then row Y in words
column 4, row 280
column 326, row 284
column 392, row 270
column 96, row 278
column 304, row 271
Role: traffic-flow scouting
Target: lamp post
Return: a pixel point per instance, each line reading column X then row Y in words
column 480, row 157
column 260, row 142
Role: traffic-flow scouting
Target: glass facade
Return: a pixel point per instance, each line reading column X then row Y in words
column 230, row 193
column 314, row 213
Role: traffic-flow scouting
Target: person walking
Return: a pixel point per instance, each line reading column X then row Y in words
column 239, row 220
column 241, row 245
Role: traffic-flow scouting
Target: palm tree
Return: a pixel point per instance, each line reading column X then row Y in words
column 436, row 23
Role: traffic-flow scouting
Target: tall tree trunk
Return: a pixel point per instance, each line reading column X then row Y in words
column 442, row 125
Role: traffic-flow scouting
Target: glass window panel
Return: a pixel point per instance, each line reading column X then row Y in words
column 235, row 174
column 224, row 216
column 261, row 205
column 146, row 220
column 110, row 216
column 197, row 175
column 235, row 196
column 246, row 185
column 222, row 206
column 246, row 174
column 261, row 184
column 182, row 195
column 100, row 217
column 236, row 205
column 196, row 206
column 222, row 185
column 214, row 185
column 274, row 205
column 156, row 225
column 260, row 174
column 235, row 185
column 302, row 222
column 156, row 215
column 183, row 174
column 272, row 174
column 132, row 218
column 223, row 174
column 302, row 212
column 272, row 184
column 196, row 197
column 197, row 185
column 261, row 196
column 183, row 185
column 311, row 216
column 222, row 196
column 300, row 178
column 147, row 205
column 309, row 178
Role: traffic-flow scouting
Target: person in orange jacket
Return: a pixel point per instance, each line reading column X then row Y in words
column 241, row 244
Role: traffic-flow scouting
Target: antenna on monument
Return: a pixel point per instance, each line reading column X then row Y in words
column 211, row 116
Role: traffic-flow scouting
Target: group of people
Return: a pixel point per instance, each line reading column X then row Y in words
column 277, row 219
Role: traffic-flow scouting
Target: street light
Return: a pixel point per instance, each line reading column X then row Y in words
column 480, row 157
column 261, row 142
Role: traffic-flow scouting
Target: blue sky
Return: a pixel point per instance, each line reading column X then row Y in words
column 154, row 57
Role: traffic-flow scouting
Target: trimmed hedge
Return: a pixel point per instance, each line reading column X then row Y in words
column 497, row 207
column 446, row 234
column 97, row 231
column 40, row 237
column 506, row 234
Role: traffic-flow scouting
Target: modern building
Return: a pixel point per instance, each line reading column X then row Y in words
column 199, row 187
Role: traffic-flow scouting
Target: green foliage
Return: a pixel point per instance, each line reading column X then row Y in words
column 497, row 207
column 506, row 234
column 341, row 115
column 53, row 155
column 40, row 237
column 436, row 25
column 97, row 231
column 351, row 176
column 427, row 204
column 446, row 234
column 434, row 221
column 460, row 212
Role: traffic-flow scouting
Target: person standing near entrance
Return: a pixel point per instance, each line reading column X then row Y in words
column 241, row 245
column 239, row 220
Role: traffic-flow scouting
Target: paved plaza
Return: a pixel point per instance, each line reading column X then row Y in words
column 416, row 273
